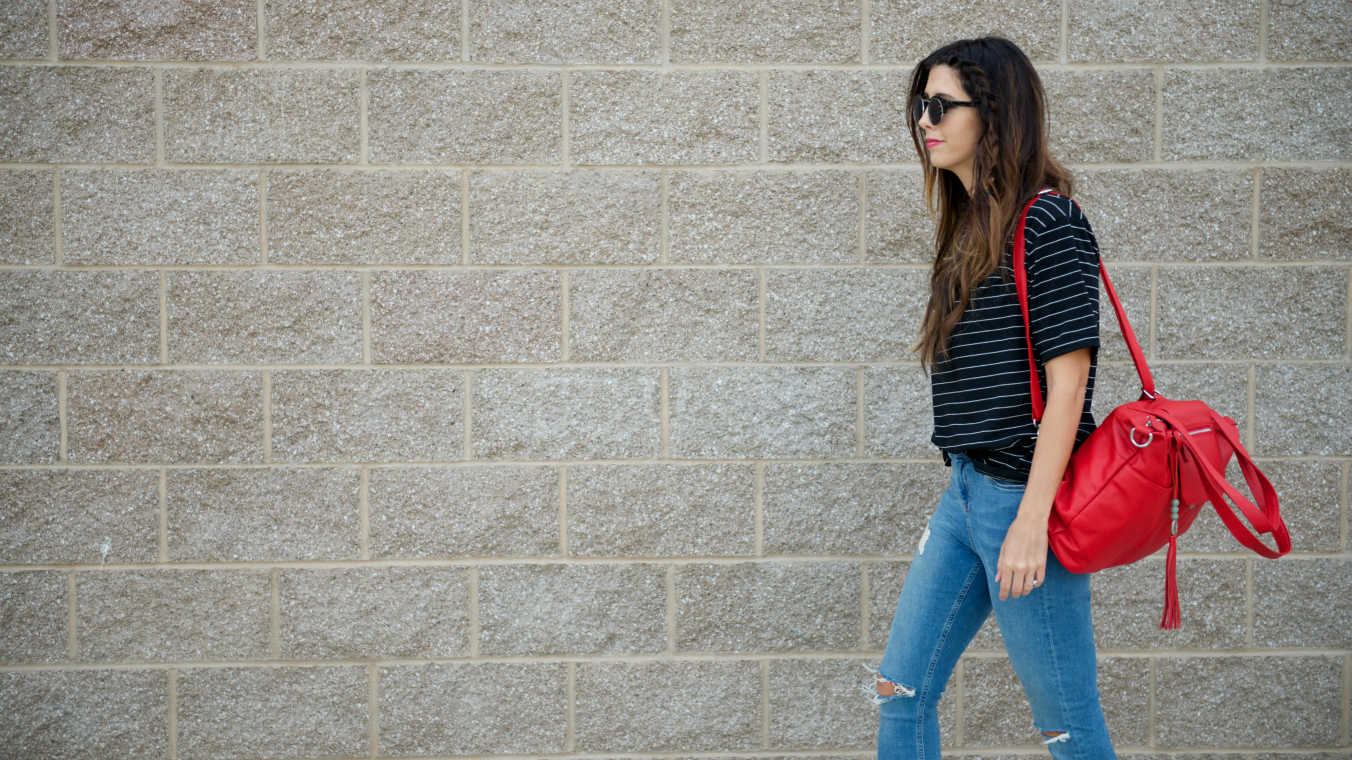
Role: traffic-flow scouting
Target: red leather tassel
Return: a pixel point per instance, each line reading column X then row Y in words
column 1173, row 616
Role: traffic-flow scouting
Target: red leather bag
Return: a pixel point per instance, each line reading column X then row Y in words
column 1138, row 481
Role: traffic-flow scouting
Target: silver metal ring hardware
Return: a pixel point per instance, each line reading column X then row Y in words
column 1132, row 435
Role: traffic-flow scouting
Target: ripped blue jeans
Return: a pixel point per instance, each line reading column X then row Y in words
column 949, row 591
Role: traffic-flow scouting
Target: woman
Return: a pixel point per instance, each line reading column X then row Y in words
column 980, row 109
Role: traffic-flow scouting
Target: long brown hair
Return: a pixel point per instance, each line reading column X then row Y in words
column 974, row 230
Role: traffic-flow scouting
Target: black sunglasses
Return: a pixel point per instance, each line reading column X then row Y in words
column 936, row 105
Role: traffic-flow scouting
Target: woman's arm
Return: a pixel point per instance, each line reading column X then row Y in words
column 1023, row 556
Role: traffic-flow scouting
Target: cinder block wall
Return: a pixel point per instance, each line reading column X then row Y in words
column 529, row 377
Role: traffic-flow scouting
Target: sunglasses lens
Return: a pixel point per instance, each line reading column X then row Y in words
column 917, row 108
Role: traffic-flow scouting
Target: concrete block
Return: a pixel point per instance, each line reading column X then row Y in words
column 416, row 30
column 898, row 226
column 763, row 217
column 78, row 114
column 572, row 609
column 898, row 418
column 849, row 508
column 830, row 116
column 451, row 116
column 1284, row 397
column 765, row 31
column 577, row 217
column 261, row 515
column 510, row 31
column 667, row 315
column 566, row 413
column 661, row 510
column 1104, row 115
column 701, row 116
column 762, row 412
column 84, row 714
column 261, row 115
column 420, row 316
column 33, row 613
column 628, row 706
column 153, row 30
column 1168, row 215
column 254, row 316
column 1305, row 603
column 173, row 615
column 27, row 212
column 64, row 516
column 904, row 32
column 367, row 415
column 164, row 416
column 1164, row 30
column 843, row 314
column 1128, row 603
column 71, row 317
column 1306, row 214
column 464, row 512
column 30, row 430
column 320, row 216
column 767, row 607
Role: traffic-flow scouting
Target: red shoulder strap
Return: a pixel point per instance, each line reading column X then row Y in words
column 1021, row 283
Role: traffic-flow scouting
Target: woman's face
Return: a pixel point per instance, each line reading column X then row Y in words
column 952, row 142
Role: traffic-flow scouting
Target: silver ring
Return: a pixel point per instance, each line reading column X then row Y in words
column 1033, row 583
column 1132, row 434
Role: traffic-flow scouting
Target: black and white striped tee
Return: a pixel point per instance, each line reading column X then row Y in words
column 982, row 403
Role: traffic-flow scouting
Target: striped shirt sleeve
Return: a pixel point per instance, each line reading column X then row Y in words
column 1062, row 257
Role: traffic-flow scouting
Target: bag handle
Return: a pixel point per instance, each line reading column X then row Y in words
column 1265, row 518
column 1021, row 283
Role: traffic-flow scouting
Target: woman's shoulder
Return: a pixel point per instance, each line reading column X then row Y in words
column 1052, row 210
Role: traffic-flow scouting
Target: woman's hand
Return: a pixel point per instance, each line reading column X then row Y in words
column 1023, row 557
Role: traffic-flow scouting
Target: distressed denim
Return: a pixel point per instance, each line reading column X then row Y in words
column 949, row 591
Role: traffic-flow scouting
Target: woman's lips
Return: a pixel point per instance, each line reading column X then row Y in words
column 932, row 143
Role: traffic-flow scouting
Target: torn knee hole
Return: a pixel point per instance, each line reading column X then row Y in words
column 884, row 689
column 1056, row 736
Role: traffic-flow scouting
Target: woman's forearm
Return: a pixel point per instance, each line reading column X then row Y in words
column 1056, row 435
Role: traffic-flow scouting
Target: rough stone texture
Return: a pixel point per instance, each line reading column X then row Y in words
column 767, row 607
column 62, row 317
column 838, row 116
column 261, row 115
column 817, row 704
column 411, row 30
column 33, row 614
column 689, row 706
column 1305, row 603
column 761, row 412
column 23, row 29
column 661, row 510
column 663, row 315
column 1303, row 409
column 159, row 216
column 1103, row 115
column 173, row 615
column 1168, row 215
column 27, row 230
column 77, row 114
column 253, row 317
column 843, row 314
column 763, row 217
column 384, row 612
column 663, row 117
column 899, row 228
column 429, row 316
column 1242, row 114
column 149, row 30
column 1311, row 30
column 765, row 31
column 1306, row 214
column 1132, row 284
column 566, row 413
column 367, row 416
column 84, row 714
column 1128, row 602
column 168, row 417
column 580, row 216
column 572, row 609
column 253, row 515
column 991, row 689
column 849, row 508
column 63, row 516
column 885, row 580
column 898, row 418
column 466, row 116
column 1271, row 701
column 507, row 707
column 1289, row 312
column 464, row 512
column 1164, row 30
column 1224, row 387
column 1310, row 494
column 368, row 217
column 30, row 429
column 553, row 31
column 272, row 712
column 905, row 31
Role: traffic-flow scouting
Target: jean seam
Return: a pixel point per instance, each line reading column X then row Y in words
column 1077, row 747
column 923, row 695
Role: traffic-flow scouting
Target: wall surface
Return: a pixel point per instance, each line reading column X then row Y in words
column 529, row 377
